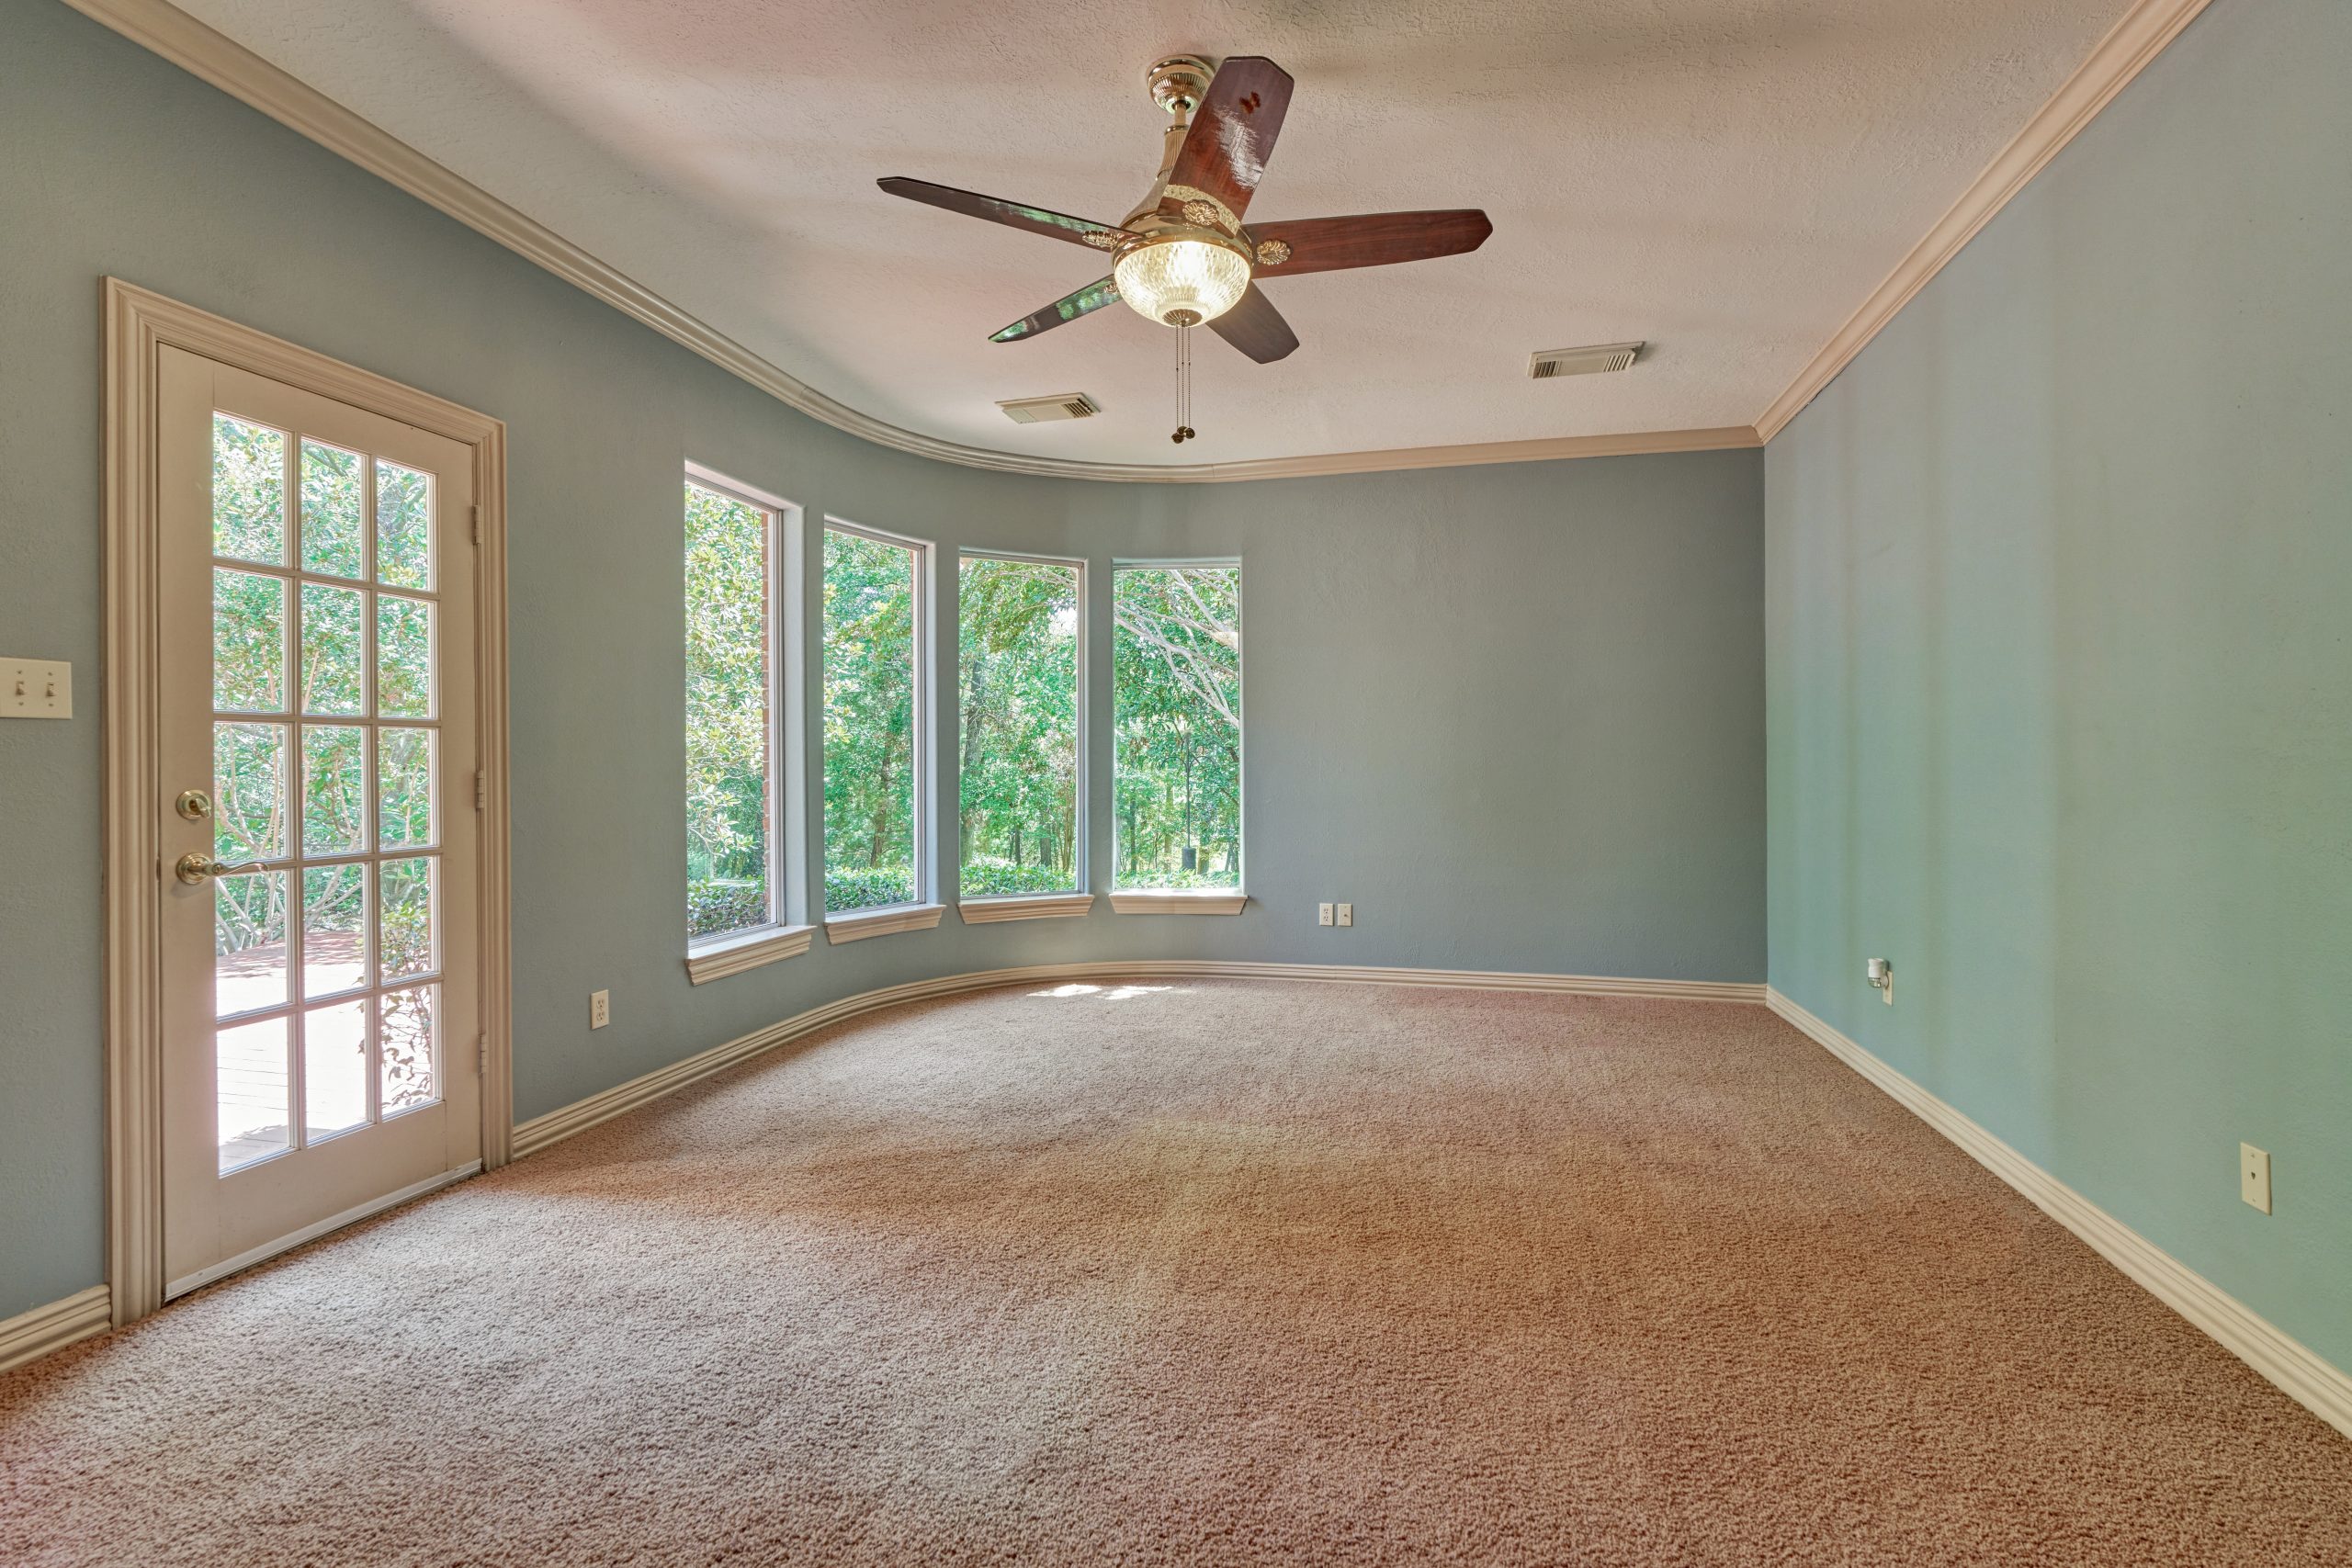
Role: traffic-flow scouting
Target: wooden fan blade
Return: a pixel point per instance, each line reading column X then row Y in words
column 1368, row 239
column 1012, row 214
column 1231, row 137
column 1070, row 307
column 1256, row 328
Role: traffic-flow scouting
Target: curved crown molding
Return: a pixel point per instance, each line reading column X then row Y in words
column 163, row 30
column 2123, row 54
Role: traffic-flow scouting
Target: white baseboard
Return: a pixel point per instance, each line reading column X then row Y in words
column 32, row 1335
column 2324, row 1390
column 540, row 1131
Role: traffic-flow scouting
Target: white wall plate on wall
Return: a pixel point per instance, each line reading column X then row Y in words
column 35, row 688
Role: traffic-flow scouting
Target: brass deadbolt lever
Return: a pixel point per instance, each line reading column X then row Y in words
column 195, row 866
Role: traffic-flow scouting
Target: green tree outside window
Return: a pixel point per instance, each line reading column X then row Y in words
column 1176, row 726
column 726, row 714
column 1017, row 636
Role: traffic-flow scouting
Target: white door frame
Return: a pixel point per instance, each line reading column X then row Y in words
column 138, row 324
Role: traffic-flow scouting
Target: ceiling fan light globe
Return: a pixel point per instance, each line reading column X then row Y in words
column 1168, row 278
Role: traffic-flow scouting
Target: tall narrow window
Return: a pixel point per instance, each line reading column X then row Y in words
column 872, row 720
column 732, row 878
column 1176, row 709
column 1019, row 710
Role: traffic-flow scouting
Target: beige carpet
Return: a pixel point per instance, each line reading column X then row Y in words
column 1195, row 1273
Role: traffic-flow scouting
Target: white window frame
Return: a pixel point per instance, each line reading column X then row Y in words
column 886, row 920
column 1180, row 901
column 1030, row 906
column 787, row 930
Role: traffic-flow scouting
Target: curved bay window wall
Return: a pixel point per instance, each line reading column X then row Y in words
column 1019, row 698
column 1176, row 723
column 1024, row 702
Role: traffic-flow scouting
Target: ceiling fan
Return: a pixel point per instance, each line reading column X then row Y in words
column 1182, row 257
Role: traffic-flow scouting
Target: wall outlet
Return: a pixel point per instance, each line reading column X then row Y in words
column 600, row 1008
column 2254, row 1175
column 1322, row 914
column 1880, row 972
column 35, row 688
column 1347, row 914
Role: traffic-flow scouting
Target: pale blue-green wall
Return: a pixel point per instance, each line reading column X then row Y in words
column 1515, row 714
column 2060, row 644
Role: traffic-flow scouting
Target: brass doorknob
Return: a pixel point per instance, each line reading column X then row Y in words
column 195, row 867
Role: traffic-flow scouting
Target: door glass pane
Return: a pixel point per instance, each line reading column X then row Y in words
column 334, row 1068
column 331, row 664
column 248, row 491
column 249, row 791
column 404, row 526
column 411, row 944
column 407, row 1046
column 322, row 790
column 333, row 538
column 335, row 929
column 249, row 916
column 251, row 1084
column 403, row 657
column 248, row 642
column 334, row 789
column 404, row 784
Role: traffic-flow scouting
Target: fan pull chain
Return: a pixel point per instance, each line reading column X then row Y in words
column 1183, row 383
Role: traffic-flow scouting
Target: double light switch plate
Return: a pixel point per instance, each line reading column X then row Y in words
column 35, row 688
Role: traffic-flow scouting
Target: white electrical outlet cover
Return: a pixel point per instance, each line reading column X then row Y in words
column 1347, row 914
column 1322, row 914
column 600, row 1008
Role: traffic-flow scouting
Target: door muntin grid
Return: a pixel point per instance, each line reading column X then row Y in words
column 327, row 773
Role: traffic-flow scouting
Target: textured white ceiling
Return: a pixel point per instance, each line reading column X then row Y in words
column 1725, row 178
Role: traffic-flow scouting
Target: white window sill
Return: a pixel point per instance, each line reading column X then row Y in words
column 1024, row 907
column 857, row 925
column 733, row 953
column 1179, row 902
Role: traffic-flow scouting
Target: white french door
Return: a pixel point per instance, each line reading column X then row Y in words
column 317, row 739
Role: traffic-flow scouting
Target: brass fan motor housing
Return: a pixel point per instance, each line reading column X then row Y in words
column 1179, row 82
column 1158, row 230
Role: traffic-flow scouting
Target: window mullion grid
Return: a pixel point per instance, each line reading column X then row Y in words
column 292, row 719
column 260, row 1015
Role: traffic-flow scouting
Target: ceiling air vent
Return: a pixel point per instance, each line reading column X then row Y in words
column 1553, row 362
column 1062, row 405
